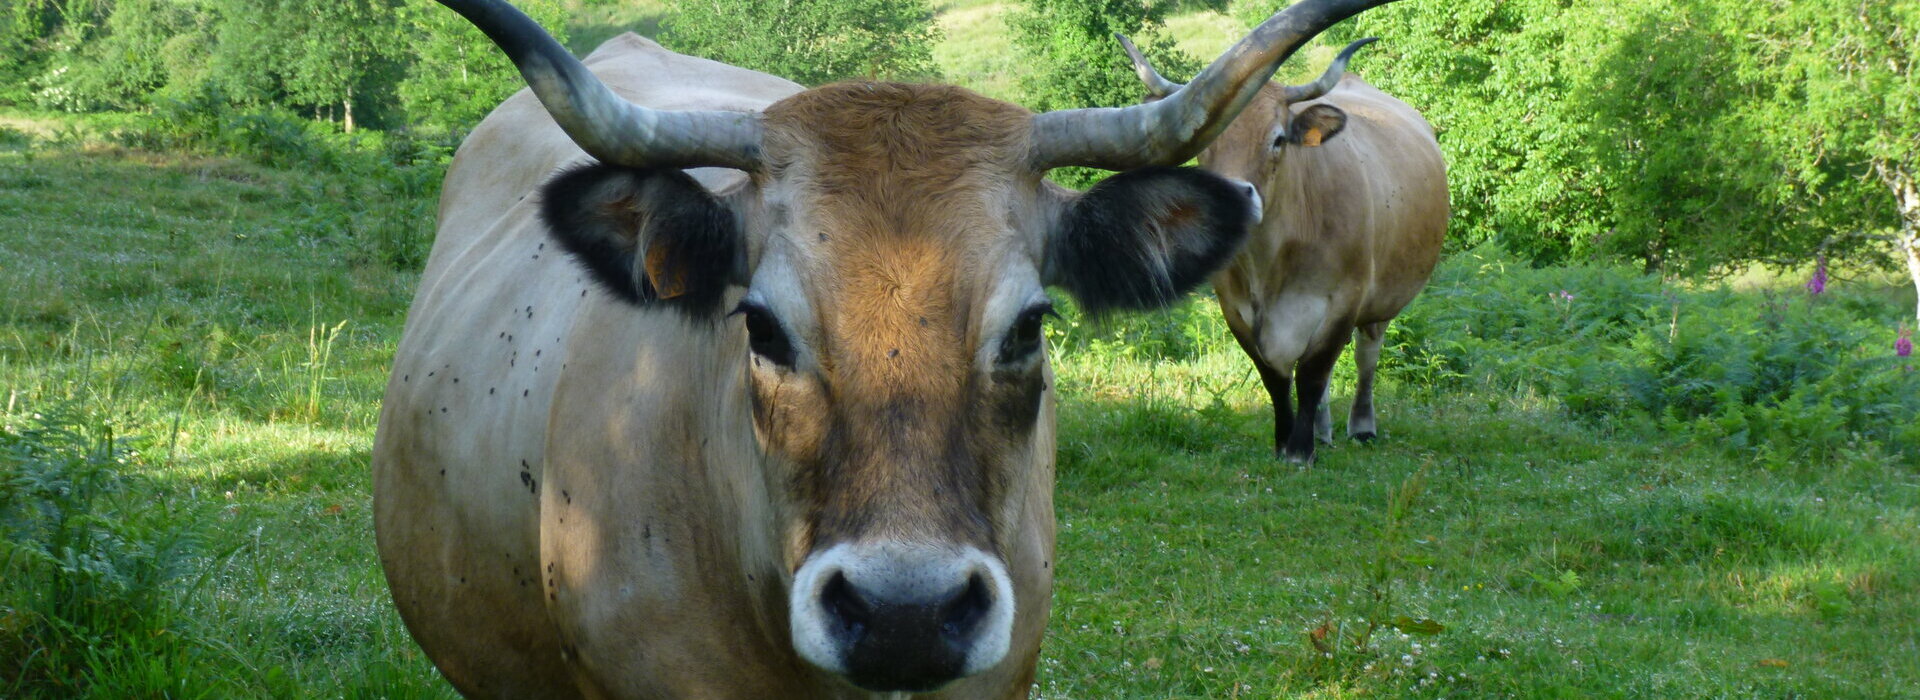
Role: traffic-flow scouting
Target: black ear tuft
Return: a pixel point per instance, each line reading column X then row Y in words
column 1143, row 238
column 648, row 236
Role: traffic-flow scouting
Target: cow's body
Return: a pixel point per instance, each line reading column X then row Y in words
column 548, row 457
column 1351, row 232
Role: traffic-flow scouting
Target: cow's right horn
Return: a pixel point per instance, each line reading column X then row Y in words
column 1330, row 78
column 1172, row 130
column 603, row 124
column 1158, row 86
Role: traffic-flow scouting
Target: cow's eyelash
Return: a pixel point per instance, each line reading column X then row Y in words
column 1023, row 337
column 766, row 336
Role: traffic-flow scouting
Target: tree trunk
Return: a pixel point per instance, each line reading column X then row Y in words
column 346, row 107
column 1906, row 194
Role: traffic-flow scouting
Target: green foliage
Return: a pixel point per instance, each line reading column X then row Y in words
column 334, row 60
column 1075, row 61
column 1078, row 62
column 394, row 228
column 32, row 32
column 810, row 42
column 1842, row 82
column 138, row 48
column 1795, row 381
column 456, row 75
column 87, row 557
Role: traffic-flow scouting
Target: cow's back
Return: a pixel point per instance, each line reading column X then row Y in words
column 458, row 457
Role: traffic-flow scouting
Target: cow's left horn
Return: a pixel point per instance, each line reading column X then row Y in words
column 1172, row 130
column 603, row 124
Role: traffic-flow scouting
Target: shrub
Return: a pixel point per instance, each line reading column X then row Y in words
column 86, row 554
column 1076, row 62
column 1793, row 379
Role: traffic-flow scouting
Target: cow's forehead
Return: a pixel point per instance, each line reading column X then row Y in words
column 853, row 128
column 898, row 212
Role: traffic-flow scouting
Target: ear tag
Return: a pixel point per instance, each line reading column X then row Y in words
column 668, row 280
column 1312, row 137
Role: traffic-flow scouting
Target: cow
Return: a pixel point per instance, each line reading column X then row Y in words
column 718, row 387
column 1354, row 191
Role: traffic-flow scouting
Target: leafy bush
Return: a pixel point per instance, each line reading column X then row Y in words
column 1076, row 62
column 1793, row 379
column 87, row 554
column 393, row 229
column 810, row 42
column 456, row 75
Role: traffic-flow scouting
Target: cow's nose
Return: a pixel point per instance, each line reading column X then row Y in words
column 1253, row 197
column 902, row 618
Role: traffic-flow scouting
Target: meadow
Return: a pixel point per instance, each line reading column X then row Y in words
column 1591, row 482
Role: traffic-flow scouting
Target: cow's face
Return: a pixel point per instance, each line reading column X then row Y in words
column 890, row 264
column 1254, row 149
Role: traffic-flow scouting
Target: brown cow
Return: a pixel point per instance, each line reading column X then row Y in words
column 781, row 425
column 1355, row 198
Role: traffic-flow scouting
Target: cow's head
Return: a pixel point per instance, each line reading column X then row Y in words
column 888, row 258
column 1254, row 147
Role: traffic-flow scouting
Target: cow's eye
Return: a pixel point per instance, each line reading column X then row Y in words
column 765, row 336
column 1023, row 339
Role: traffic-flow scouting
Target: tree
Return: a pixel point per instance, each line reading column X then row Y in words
column 809, row 41
column 316, row 56
column 1076, row 61
column 1845, row 110
column 457, row 75
column 1637, row 129
column 116, row 58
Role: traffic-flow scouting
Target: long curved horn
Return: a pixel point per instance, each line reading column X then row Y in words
column 1330, row 78
column 1170, row 131
column 603, row 124
column 1158, row 86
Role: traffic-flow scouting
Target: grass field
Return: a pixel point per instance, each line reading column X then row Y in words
column 192, row 351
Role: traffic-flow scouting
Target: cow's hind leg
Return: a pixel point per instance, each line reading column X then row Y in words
column 1366, row 357
column 1310, row 379
column 1279, row 388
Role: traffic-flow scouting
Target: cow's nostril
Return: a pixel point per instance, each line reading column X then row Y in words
column 846, row 608
column 962, row 614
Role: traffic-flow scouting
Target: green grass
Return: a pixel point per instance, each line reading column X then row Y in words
column 187, row 302
column 176, row 298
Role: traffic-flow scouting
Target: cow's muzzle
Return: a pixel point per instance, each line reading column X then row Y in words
column 901, row 616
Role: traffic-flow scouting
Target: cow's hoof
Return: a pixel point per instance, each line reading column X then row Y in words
column 1363, row 438
column 1302, row 459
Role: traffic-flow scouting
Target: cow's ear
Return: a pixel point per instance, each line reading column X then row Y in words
column 648, row 236
column 1143, row 238
column 1314, row 125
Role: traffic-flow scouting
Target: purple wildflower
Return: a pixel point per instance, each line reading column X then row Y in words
column 1903, row 345
column 1818, row 283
